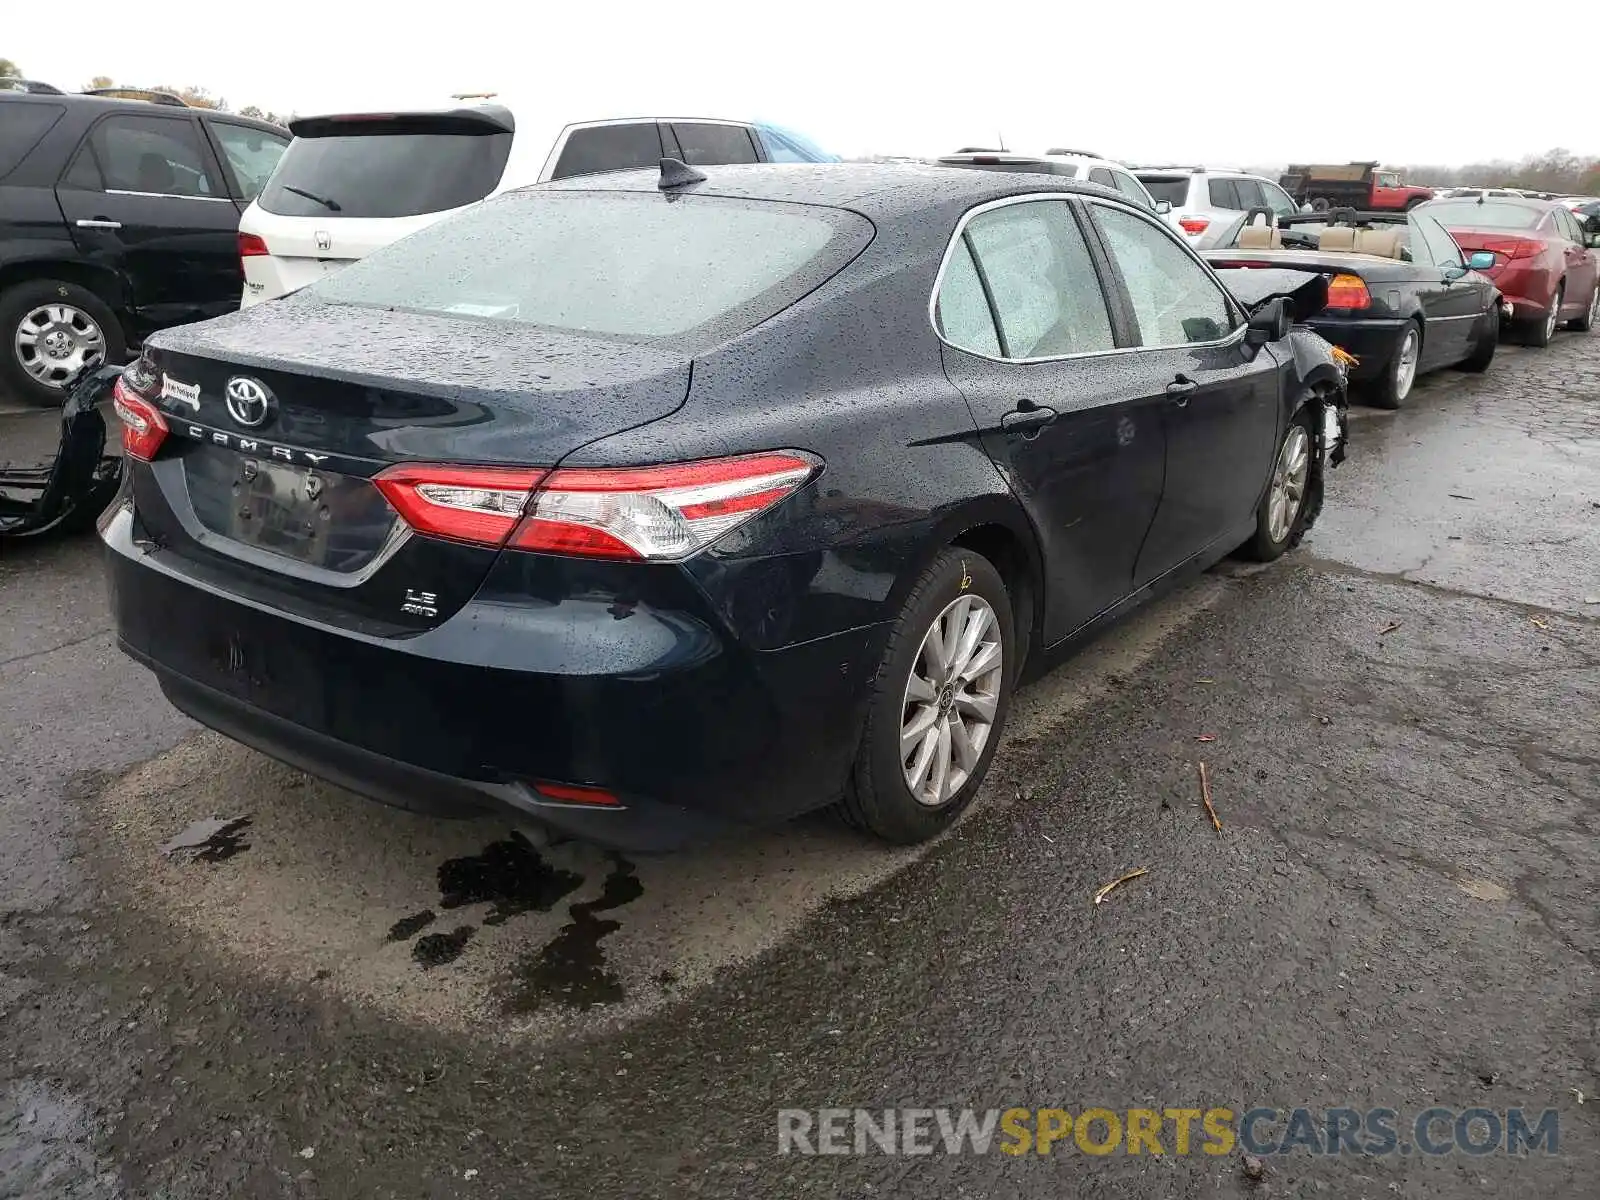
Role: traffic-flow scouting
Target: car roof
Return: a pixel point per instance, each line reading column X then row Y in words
column 875, row 190
column 133, row 104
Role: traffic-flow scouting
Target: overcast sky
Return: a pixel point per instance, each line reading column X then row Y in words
column 1140, row 80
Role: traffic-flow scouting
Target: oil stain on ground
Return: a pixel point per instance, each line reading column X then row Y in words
column 510, row 875
column 439, row 948
column 571, row 969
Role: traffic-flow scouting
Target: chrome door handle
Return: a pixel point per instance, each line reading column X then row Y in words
column 97, row 224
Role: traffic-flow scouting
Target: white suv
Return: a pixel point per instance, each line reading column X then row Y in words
column 1070, row 164
column 1201, row 197
column 348, row 185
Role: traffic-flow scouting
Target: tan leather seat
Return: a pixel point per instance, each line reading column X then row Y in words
column 1260, row 237
column 1337, row 237
column 1381, row 243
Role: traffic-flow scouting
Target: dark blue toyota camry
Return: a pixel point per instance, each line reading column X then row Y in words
column 660, row 504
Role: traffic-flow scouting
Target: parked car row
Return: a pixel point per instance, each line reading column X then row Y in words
column 125, row 213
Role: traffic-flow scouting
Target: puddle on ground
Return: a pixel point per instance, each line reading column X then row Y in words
column 510, row 875
column 571, row 969
column 212, row 840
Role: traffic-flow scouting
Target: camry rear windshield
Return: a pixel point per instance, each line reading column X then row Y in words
column 384, row 174
column 1174, row 189
column 1488, row 215
column 629, row 265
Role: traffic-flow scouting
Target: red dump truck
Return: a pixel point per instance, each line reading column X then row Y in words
column 1358, row 185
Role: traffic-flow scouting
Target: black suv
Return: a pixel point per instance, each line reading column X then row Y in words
column 118, row 216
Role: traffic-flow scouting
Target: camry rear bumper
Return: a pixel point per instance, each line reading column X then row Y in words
column 691, row 732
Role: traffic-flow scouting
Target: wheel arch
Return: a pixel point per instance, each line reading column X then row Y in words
column 102, row 281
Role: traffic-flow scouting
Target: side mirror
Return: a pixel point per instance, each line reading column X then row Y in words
column 1269, row 323
column 1480, row 260
column 1163, row 207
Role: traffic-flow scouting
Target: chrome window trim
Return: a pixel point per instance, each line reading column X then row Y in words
column 1066, row 197
column 169, row 196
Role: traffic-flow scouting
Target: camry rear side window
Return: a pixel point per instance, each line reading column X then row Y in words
column 630, row 265
column 384, row 174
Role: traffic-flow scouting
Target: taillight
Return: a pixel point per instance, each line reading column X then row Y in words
column 1348, row 291
column 658, row 513
column 466, row 504
column 1193, row 224
column 642, row 513
column 572, row 793
column 252, row 245
column 143, row 426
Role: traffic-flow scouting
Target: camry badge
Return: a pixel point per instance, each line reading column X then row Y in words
column 249, row 401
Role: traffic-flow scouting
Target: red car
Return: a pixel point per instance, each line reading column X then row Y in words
column 1545, row 264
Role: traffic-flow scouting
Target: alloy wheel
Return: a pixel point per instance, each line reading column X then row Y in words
column 54, row 341
column 1289, row 483
column 1553, row 321
column 1405, row 364
column 951, row 699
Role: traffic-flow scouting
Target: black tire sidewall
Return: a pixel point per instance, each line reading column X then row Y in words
column 881, row 798
column 17, row 300
column 1383, row 391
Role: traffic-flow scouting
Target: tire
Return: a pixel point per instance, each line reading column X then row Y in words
column 1538, row 333
column 1483, row 352
column 1391, row 388
column 1589, row 319
column 1320, row 204
column 1276, row 531
column 879, row 796
column 90, row 333
column 1413, row 202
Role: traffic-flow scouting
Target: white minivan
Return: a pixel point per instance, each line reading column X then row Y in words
column 352, row 183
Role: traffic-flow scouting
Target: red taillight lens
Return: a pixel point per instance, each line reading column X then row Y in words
column 656, row 513
column 466, row 504
column 143, row 426
column 1348, row 291
column 252, row 246
column 1193, row 224
column 649, row 513
column 571, row 793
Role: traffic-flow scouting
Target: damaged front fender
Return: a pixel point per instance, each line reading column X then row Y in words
column 75, row 488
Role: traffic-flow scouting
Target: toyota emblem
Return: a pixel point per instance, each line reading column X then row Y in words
column 249, row 401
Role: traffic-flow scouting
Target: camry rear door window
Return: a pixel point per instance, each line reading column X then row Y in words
column 628, row 265
column 620, row 147
column 1174, row 299
column 1046, row 294
column 384, row 174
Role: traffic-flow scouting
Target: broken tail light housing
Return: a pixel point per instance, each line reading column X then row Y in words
column 653, row 514
column 1192, row 225
column 1348, row 292
column 143, row 426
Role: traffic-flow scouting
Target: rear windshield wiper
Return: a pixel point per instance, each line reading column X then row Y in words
column 330, row 205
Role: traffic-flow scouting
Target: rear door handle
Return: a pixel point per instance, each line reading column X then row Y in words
column 84, row 223
column 1180, row 389
column 1028, row 420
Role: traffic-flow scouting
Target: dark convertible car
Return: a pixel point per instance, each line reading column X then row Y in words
column 660, row 503
column 1402, row 297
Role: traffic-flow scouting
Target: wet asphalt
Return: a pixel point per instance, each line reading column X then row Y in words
column 1400, row 910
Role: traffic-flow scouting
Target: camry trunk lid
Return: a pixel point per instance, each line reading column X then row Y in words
column 280, row 418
